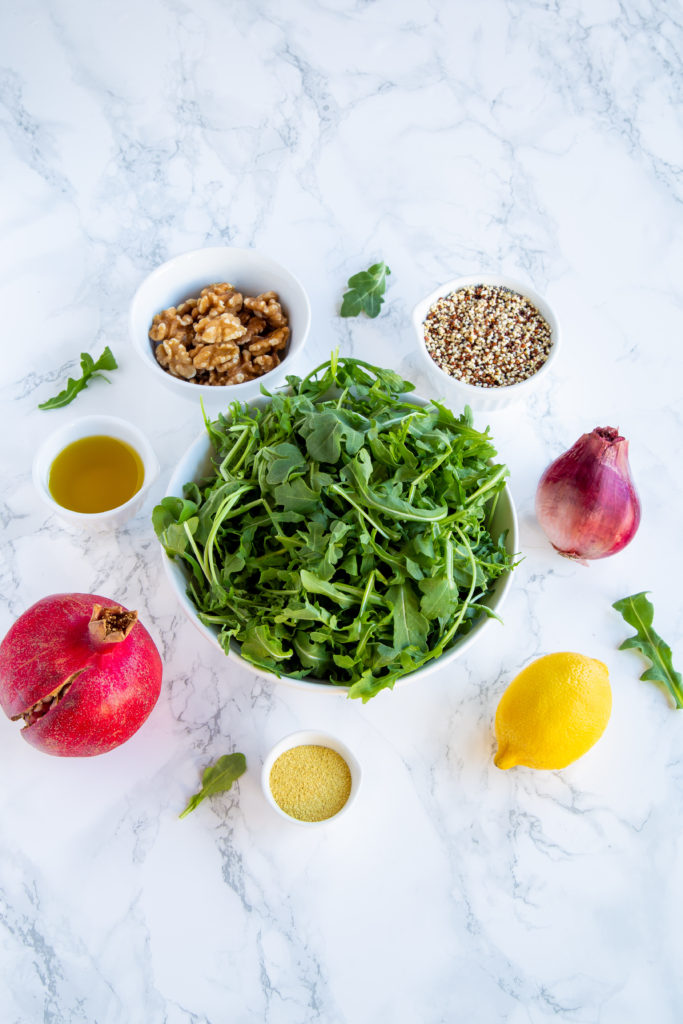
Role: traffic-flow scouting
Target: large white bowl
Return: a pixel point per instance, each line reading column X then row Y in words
column 196, row 464
column 457, row 392
column 183, row 277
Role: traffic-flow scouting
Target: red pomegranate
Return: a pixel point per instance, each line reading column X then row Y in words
column 81, row 671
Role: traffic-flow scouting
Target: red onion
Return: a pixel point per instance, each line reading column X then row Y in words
column 586, row 502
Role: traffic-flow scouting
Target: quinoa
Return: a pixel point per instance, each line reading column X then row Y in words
column 310, row 782
column 487, row 335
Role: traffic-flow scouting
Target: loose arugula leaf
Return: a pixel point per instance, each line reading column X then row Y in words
column 218, row 778
column 345, row 533
column 639, row 613
column 366, row 291
column 90, row 369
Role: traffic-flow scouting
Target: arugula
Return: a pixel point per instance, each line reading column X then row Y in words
column 344, row 535
column 639, row 613
column 90, row 368
column 218, row 778
column 366, row 291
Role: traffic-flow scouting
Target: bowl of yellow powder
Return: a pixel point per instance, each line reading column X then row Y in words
column 310, row 778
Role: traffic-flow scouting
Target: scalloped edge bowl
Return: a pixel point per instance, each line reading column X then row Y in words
column 456, row 391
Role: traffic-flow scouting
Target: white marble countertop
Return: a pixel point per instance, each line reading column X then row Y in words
column 539, row 140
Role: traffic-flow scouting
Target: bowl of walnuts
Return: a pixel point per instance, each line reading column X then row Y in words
column 220, row 322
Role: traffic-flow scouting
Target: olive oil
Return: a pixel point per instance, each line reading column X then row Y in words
column 95, row 474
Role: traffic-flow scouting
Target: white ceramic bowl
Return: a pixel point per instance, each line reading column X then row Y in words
column 184, row 277
column 89, row 426
column 196, row 464
column 320, row 739
column 457, row 392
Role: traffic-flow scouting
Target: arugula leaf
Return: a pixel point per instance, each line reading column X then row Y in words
column 366, row 291
column 260, row 644
column 90, row 369
column 218, row 778
column 344, row 535
column 410, row 625
column 639, row 613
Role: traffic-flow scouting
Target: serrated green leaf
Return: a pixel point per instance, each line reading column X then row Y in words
column 366, row 291
column 296, row 496
column 260, row 644
column 638, row 612
column 73, row 387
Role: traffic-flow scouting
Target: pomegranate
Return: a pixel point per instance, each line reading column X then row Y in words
column 81, row 671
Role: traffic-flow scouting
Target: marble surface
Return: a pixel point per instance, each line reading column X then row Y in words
column 541, row 140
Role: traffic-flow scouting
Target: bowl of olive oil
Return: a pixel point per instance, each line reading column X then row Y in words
column 95, row 470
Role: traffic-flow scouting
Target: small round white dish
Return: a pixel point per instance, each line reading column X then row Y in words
column 183, row 277
column 310, row 737
column 480, row 398
column 196, row 464
column 93, row 426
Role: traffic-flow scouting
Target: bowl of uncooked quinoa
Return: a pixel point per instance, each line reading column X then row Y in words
column 486, row 340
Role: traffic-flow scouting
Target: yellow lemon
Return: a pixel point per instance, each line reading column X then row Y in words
column 553, row 712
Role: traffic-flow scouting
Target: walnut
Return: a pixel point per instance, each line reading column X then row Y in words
column 220, row 298
column 221, row 328
column 219, row 357
column 189, row 307
column 278, row 339
column 259, row 346
column 267, row 306
column 266, row 362
column 175, row 358
column 168, row 324
column 254, row 326
column 236, row 375
column 219, row 337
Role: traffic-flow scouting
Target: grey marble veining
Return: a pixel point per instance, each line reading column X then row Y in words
column 540, row 140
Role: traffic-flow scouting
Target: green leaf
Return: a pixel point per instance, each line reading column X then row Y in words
column 360, row 471
column 638, row 612
column 366, row 291
column 90, row 369
column 439, row 596
column 106, row 361
column 218, row 778
column 313, row 656
column 297, row 496
column 314, row 585
column 282, row 460
column 174, row 521
column 260, row 644
column 410, row 625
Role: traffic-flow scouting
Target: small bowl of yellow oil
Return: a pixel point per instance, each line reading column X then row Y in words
column 95, row 471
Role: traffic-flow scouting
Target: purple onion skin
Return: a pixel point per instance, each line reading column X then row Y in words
column 586, row 502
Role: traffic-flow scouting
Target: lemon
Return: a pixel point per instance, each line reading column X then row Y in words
column 553, row 712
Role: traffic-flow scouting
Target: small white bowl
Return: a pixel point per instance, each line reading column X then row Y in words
column 196, row 464
column 183, row 277
column 92, row 426
column 456, row 391
column 309, row 737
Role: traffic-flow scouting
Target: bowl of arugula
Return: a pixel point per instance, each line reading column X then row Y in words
column 340, row 533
